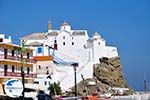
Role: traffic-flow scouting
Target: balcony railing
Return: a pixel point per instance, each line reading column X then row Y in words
column 17, row 58
column 17, row 74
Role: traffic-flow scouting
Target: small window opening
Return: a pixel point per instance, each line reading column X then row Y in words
column 63, row 43
column 39, row 66
column 72, row 43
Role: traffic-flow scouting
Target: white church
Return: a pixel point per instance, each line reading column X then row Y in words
column 66, row 46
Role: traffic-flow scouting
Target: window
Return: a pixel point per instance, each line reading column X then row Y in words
column 28, row 70
column 72, row 43
column 45, row 83
column 39, row 49
column 5, row 70
column 47, row 72
column 63, row 37
column 13, row 68
column 55, row 44
column 36, row 82
column 5, row 53
column 63, row 43
column 39, row 66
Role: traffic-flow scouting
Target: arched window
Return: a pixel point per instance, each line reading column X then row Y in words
column 63, row 43
column 72, row 43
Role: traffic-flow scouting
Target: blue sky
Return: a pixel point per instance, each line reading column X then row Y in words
column 123, row 23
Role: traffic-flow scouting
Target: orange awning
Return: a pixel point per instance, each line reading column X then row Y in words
column 43, row 58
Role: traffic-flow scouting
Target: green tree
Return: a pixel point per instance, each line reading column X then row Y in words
column 55, row 89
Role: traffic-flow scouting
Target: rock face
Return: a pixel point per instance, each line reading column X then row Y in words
column 106, row 74
column 109, row 72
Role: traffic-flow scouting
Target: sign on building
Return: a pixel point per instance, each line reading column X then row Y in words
column 13, row 88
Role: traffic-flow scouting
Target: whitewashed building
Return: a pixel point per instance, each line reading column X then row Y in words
column 67, row 46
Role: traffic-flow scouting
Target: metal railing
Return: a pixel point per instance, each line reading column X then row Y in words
column 17, row 58
column 17, row 74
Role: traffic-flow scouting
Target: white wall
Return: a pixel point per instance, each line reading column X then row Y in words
column 69, row 48
column 50, row 40
column 65, row 27
column 1, row 50
column 104, row 52
column 5, row 40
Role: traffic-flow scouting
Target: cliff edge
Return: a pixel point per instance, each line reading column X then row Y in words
column 106, row 74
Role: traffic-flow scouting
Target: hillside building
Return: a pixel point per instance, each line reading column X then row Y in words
column 67, row 46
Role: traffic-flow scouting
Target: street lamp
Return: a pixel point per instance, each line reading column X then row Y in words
column 22, row 67
column 75, row 65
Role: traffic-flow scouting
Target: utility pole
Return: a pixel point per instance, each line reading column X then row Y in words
column 145, row 86
column 75, row 65
column 22, row 67
column 145, row 83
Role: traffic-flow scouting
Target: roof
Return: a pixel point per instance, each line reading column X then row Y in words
column 78, row 33
column 43, row 58
column 35, row 43
column 53, row 33
column 34, row 36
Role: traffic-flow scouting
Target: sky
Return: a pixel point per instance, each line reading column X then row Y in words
column 122, row 23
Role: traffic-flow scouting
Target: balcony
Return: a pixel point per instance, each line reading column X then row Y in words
column 17, row 58
column 16, row 74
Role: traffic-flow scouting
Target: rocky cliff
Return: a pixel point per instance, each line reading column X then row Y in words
column 106, row 74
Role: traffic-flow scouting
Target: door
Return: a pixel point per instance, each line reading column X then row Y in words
column 5, row 53
column 5, row 70
column 28, row 70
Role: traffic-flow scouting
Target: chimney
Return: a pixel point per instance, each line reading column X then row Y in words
column 49, row 25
